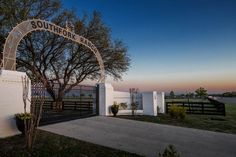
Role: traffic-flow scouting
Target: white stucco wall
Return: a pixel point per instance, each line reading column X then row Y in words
column 11, row 101
column 150, row 101
column 122, row 97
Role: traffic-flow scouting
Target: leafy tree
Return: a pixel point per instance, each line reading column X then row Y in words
column 172, row 94
column 59, row 63
column 189, row 95
column 201, row 92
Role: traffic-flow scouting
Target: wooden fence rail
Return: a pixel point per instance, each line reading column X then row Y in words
column 212, row 107
column 83, row 105
column 70, row 110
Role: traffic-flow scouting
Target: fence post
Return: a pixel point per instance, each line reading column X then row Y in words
column 223, row 105
column 90, row 107
column 97, row 100
column 189, row 108
column 202, row 108
column 51, row 102
column 224, row 110
column 75, row 105
column 167, row 107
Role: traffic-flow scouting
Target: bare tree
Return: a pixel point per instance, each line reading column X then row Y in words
column 36, row 107
column 57, row 60
column 133, row 99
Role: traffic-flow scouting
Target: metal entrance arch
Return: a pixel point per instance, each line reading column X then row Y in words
column 25, row 27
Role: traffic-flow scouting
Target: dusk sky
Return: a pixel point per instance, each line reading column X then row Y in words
column 175, row 45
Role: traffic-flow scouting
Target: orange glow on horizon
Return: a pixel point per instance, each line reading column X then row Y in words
column 178, row 86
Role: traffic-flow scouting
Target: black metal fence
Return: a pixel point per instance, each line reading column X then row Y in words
column 210, row 107
column 81, row 101
column 74, row 105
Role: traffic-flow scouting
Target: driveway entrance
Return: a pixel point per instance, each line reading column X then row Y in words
column 80, row 102
column 145, row 138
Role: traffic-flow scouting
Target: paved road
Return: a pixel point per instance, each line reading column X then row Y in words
column 147, row 138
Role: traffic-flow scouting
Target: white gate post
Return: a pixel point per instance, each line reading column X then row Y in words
column 105, row 98
column 161, row 102
column 150, row 103
column 152, row 100
column 11, row 100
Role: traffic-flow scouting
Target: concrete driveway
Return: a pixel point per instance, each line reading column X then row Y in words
column 145, row 138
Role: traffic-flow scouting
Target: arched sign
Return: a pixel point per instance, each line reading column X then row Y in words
column 22, row 29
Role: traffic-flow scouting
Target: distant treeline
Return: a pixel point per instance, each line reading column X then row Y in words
column 226, row 94
column 181, row 96
column 229, row 94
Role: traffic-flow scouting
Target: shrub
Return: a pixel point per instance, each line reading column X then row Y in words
column 23, row 116
column 114, row 108
column 23, row 122
column 182, row 113
column 177, row 112
column 170, row 151
column 123, row 105
column 158, row 109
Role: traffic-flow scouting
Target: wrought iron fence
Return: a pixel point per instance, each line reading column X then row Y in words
column 81, row 101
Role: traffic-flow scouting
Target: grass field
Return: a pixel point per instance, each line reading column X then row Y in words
column 225, row 124
column 52, row 145
column 186, row 100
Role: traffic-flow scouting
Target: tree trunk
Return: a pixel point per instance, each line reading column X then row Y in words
column 58, row 102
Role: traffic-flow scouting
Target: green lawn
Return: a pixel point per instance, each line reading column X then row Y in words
column 186, row 100
column 52, row 145
column 225, row 124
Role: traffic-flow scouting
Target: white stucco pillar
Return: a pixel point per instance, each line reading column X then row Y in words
column 149, row 103
column 105, row 98
column 11, row 100
column 161, row 102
